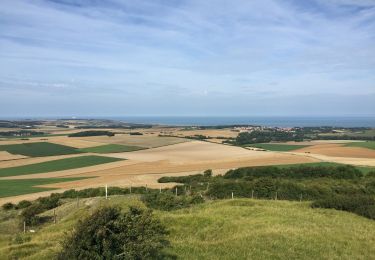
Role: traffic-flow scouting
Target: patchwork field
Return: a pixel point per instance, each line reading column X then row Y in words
column 149, row 157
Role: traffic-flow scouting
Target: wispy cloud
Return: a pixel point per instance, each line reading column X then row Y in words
column 192, row 51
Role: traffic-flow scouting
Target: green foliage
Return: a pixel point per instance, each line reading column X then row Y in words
column 8, row 206
column 361, row 205
column 111, row 148
column 23, row 204
column 30, row 216
column 190, row 179
column 38, row 149
column 92, row 133
column 57, row 165
column 168, row 201
column 135, row 133
column 273, row 135
column 110, row 234
column 297, row 172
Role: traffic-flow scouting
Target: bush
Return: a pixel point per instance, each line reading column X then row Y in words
column 8, row 206
column 296, row 172
column 168, row 201
column 361, row 205
column 91, row 133
column 110, row 234
column 23, row 204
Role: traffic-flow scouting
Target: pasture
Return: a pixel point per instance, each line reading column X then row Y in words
column 111, row 148
column 223, row 229
column 57, row 165
column 278, row 147
column 368, row 144
column 38, row 149
column 27, row 186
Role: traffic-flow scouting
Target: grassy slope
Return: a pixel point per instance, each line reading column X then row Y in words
column 38, row 149
column 228, row 229
column 278, row 147
column 368, row 144
column 18, row 187
column 111, row 148
column 57, row 165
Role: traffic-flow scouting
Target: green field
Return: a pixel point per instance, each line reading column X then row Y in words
column 38, row 149
column 367, row 144
column 57, row 165
column 278, row 147
column 111, row 148
column 223, row 229
column 19, row 187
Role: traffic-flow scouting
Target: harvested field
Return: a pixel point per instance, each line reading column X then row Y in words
column 111, row 148
column 134, row 140
column 339, row 150
column 76, row 143
column 5, row 156
column 208, row 132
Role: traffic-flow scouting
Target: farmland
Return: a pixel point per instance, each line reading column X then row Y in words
column 38, row 149
column 57, row 165
column 223, row 229
column 278, row 147
column 111, row 148
column 18, row 187
column 368, row 144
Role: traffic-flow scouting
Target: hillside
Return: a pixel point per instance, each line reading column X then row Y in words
column 225, row 229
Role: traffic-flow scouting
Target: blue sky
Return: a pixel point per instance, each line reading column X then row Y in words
column 211, row 57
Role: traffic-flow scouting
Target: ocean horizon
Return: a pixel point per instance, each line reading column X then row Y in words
column 273, row 121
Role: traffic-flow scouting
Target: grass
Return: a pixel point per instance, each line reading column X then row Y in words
column 111, row 148
column 38, row 149
column 278, row 147
column 57, row 165
column 368, row 144
column 226, row 229
column 25, row 186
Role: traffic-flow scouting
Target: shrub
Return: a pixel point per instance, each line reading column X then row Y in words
column 168, row 201
column 8, row 206
column 23, row 204
column 361, row 205
column 91, row 133
column 110, row 234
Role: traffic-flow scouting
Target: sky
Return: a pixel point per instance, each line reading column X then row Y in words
column 193, row 57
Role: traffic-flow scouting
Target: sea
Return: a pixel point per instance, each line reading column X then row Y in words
column 279, row 121
column 271, row 121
